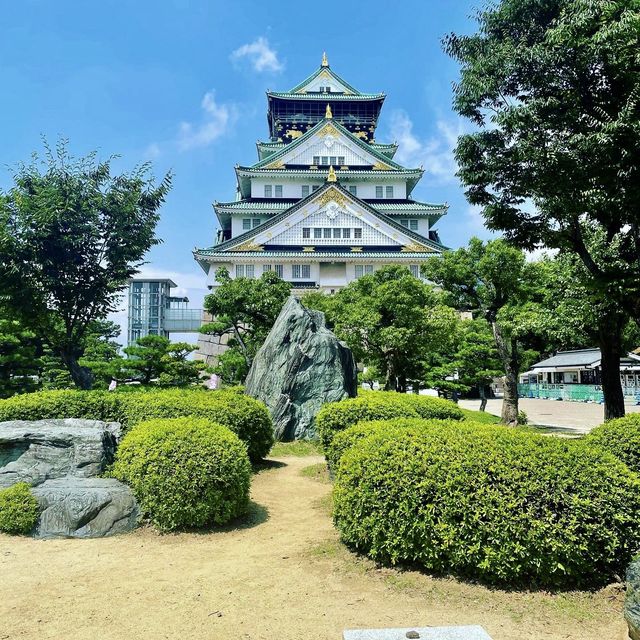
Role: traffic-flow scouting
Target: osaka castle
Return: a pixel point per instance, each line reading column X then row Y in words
column 325, row 203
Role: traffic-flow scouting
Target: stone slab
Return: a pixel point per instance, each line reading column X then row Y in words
column 84, row 508
column 41, row 450
column 469, row 632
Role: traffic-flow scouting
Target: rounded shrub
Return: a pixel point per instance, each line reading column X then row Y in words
column 41, row 405
column 380, row 405
column 621, row 437
column 18, row 509
column 185, row 472
column 245, row 416
column 491, row 503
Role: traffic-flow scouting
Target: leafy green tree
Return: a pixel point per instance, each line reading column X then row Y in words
column 19, row 362
column 232, row 366
column 554, row 87
column 494, row 282
column 101, row 353
column 145, row 358
column 177, row 370
column 244, row 310
column 477, row 358
column 71, row 235
column 389, row 319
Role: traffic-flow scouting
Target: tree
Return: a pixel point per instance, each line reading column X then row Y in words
column 389, row 319
column 244, row 310
column 555, row 88
column 19, row 362
column 156, row 358
column 101, row 352
column 578, row 317
column 477, row 359
column 71, row 235
column 494, row 282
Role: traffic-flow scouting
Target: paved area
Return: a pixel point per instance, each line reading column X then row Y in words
column 577, row 416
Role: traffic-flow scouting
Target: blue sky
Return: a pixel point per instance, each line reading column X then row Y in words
column 181, row 83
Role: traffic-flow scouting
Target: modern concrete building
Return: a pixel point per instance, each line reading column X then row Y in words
column 325, row 203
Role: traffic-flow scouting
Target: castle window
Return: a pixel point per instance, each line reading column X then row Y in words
column 346, row 233
column 299, row 271
column 316, row 160
column 353, row 189
column 327, row 233
column 239, row 271
column 317, row 232
column 279, row 269
column 325, row 160
column 337, row 233
column 305, row 190
column 379, row 192
column 256, row 222
column 279, row 191
column 357, row 234
column 363, row 270
column 340, row 160
column 415, row 270
column 413, row 224
column 295, row 271
column 306, row 271
column 332, row 160
column 249, row 270
column 246, row 224
column 266, row 268
column 306, row 232
column 268, row 191
column 389, row 192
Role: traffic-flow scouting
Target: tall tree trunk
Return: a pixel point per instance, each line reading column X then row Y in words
column 483, row 397
column 508, row 351
column 81, row 376
column 391, row 382
column 610, row 327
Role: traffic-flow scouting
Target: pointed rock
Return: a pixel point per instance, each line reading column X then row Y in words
column 300, row 366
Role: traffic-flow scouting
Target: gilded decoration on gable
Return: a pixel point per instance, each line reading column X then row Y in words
column 362, row 135
column 325, row 60
column 249, row 246
column 381, row 166
column 356, row 249
column 278, row 164
column 294, row 133
column 308, row 249
column 327, row 130
column 331, row 195
column 415, row 248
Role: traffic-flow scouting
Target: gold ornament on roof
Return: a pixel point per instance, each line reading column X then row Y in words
column 327, row 130
column 328, row 114
column 249, row 246
column 381, row 166
column 415, row 248
column 332, row 175
column 331, row 195
column 278, row 164
column 325, row 61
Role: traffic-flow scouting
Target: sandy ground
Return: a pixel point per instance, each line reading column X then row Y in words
column 578, row 416
column 282, row 574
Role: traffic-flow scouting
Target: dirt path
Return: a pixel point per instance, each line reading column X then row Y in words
column 281, row 576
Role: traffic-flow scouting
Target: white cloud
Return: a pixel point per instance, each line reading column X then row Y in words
column 435, row 154
column 261, row 56
column 217, row 120
column 152, row 152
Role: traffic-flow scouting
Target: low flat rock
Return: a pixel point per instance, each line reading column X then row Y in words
column 300, row 366
column 75, row 507
column 632, row 600
column 41, row 450
column 469, row 632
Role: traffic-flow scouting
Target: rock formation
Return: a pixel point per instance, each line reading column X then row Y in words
column 61, row 460
column 300, row 366
column 632, row 600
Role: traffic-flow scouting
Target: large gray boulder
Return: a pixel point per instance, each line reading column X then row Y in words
column 300, row 366
column 75, row 507
column 41, row 450
column 632, row 600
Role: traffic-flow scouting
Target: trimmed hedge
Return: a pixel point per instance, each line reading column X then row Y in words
column 381, row 405
column 496, row 504
column 245, row 416
column 19, row 509
column 185, row 472
column 620, row 437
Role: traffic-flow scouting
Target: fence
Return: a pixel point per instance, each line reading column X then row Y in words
column 571, row 392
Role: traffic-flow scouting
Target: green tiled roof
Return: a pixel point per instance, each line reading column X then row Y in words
column 267, row 149
column 324, row 68
column 281, row 205
column 393, row 256
column 311, row 132
column 245, row 237
column 330, row 97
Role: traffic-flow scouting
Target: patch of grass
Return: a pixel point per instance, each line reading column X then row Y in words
column 324, row 504
column 317, row 472
column 297, row 448
column 480, row 416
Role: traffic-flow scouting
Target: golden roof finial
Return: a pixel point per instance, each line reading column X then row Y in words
column 328, row 114
column 332, row 175
column 325, row 62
